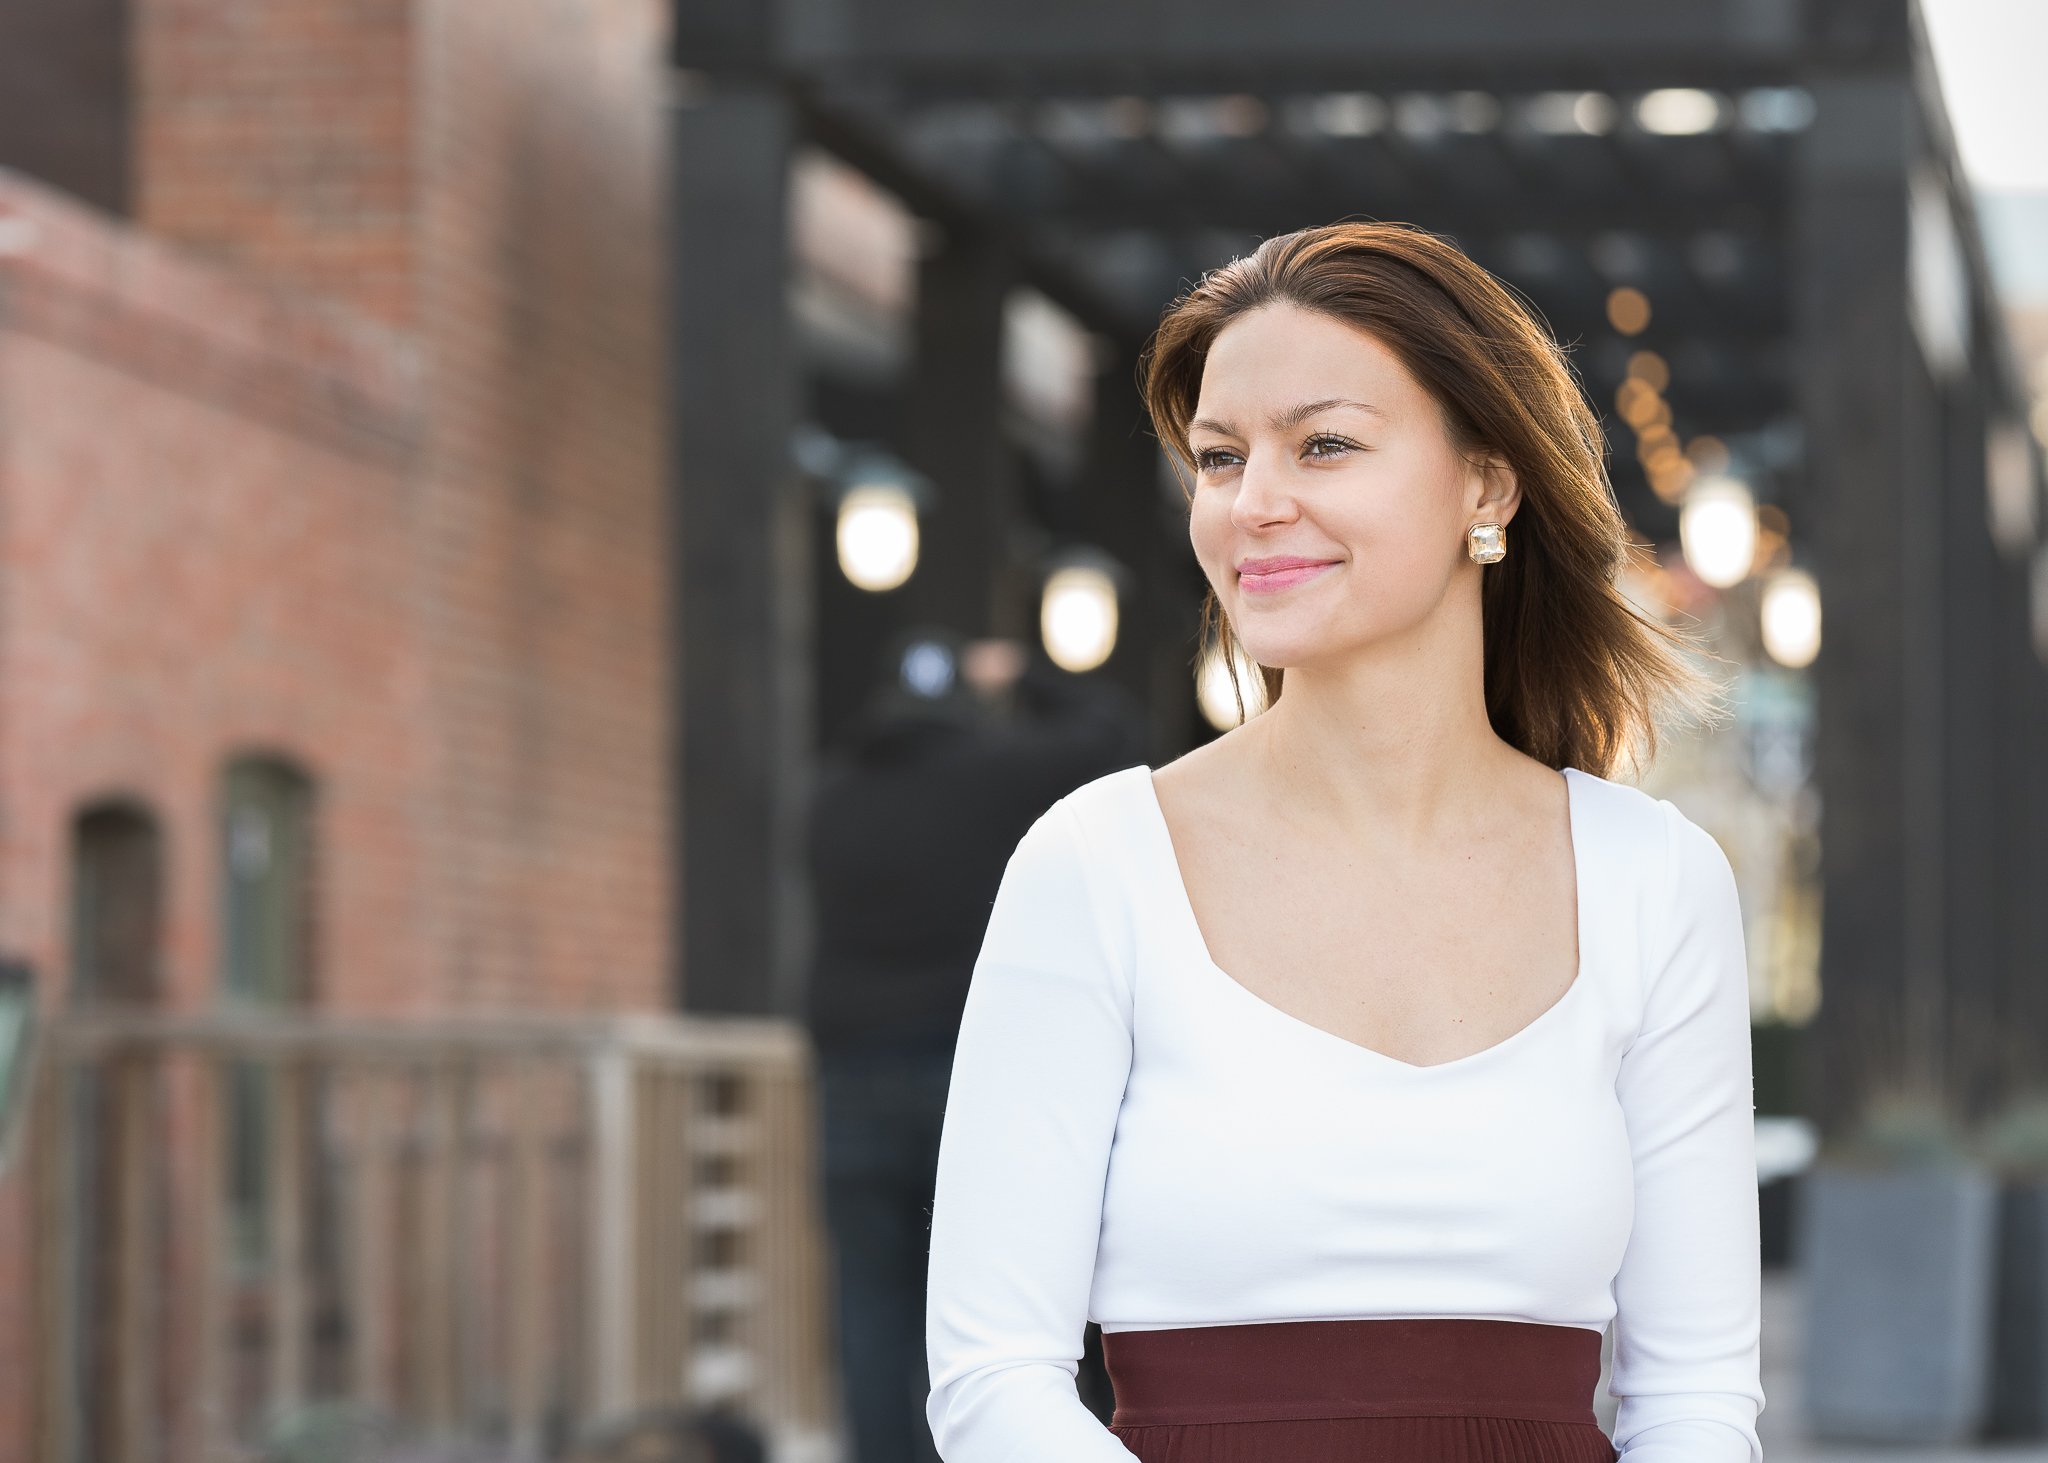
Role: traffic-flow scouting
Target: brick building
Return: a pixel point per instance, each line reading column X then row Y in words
column 333, row 619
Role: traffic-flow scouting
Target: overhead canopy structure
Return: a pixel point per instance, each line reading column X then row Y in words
column 1774, row 179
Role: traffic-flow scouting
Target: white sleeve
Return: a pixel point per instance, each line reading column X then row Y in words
column 1688, row 1297
column 1039, row 1069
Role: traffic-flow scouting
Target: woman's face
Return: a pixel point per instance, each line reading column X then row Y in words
column 1312, row 441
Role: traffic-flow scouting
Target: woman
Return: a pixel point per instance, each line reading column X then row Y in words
column 1356, row 1069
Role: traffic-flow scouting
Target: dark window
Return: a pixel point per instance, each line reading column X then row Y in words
column 266, row 949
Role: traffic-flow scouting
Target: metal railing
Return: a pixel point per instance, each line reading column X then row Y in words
column 503, row 1228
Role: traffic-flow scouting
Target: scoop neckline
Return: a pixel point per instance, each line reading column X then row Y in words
column 1191, row 932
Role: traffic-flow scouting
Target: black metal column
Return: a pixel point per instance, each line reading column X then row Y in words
column 1976, row 816
column 2020, row 794
column 741, row 556
column 954, row 431
column 1874, row 473
column 2028, row 662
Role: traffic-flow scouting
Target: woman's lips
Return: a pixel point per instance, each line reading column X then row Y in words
column 1281, row 579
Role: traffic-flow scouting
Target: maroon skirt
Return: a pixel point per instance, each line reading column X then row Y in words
column 1358, row 1391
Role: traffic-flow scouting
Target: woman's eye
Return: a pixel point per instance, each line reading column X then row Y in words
column 1211, row 458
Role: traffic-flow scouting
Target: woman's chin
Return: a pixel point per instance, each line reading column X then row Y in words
column 1273, row 653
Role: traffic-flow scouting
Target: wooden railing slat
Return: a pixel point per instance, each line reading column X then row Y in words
column 284, row 1238
column 369, row 1237
column 530, row 1273
column 131, row 1089
column 209, row 1228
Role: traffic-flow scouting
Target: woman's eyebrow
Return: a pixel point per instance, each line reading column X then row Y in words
column 1282, row 420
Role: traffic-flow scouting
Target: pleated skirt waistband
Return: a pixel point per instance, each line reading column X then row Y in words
column 1378, row 1367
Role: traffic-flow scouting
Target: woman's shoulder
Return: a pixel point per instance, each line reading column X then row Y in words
column 1108, row 808
column 1624, row 819
column 1625, row 808
column 1122, row 816
column 1081, row 847
column 1672, row 868
column 1065, row 885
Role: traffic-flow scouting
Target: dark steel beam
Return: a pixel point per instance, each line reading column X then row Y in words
column 1340, row 37
column 1975, row 806
column 953, row 431
column 1874, row 472
column 742, row 567
column 1620, row 74
column 1466, row 183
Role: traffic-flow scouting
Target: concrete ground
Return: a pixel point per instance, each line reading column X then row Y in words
column 1781, row 1426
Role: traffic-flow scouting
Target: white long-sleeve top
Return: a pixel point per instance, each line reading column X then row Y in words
column 1133, row 1137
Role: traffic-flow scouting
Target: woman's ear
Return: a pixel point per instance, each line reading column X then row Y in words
column 1498, row 491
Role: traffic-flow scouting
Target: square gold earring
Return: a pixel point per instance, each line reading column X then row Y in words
column 1487, row 542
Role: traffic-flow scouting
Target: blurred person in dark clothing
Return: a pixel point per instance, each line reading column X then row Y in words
column 912, row 820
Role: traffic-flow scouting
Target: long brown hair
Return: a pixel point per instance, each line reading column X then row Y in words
column 1575, row 674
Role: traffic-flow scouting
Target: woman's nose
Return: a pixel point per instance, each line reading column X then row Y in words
column 1263, row 491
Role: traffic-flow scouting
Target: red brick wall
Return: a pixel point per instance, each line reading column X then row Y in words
column 281, row 136
column 542, row 512
column 204, row 547
column 489, row 177
column 355, row 451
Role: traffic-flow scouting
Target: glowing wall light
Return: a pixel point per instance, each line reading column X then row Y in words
column 1651, row 369
column 1679, row 111
column 1628, row 310
column 1791, row 618
column 876, row 500
column 877, row 535
column 1717, row 530
column 1077, row 615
